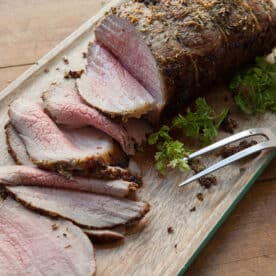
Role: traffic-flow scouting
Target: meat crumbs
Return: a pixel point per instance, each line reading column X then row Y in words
column 73, row 74
column 200, row 196
column 54, row 227
column 230, row 150
column 208, row 181
column 170, row 229
column 193, row 209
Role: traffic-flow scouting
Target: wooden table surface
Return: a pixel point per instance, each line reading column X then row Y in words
column 246, row 243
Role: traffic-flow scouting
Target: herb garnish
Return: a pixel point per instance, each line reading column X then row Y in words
column 170, row 153
column 202, row 124
column 255, row 87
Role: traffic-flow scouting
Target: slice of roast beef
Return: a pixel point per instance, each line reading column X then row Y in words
column 66, row 107
column 90, row 139
column 17, row 149
column 103, row 236
column 180, row 47
column 29, row 176
column 45, row 143
column 137, row 129
column 33, row 245
column 85, row 209
column 109, row 87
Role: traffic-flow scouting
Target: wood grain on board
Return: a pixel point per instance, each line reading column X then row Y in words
column 245, row 244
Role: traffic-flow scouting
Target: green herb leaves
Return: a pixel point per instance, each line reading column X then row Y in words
column 255, row 87
column 201, row 124
column 170, row 153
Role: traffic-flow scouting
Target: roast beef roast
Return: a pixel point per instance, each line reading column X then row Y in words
column 29, row 176
column 109, row 87
column 33, row 245
column 176, row 47
column 85, row 209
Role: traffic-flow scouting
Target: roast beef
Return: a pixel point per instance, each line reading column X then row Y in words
column 109, row 87
column 33, row 245
column 176, row 46
column 16, row 147
column 66, row 107
column 89, row 139
column 50, row 148
column 85, row 209
column 18, row 152
column 103, row 236
column 29, row 176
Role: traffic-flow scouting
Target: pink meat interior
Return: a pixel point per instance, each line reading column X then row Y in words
column 127, row 44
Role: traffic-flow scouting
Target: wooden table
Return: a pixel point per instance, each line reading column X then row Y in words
column 246, row 243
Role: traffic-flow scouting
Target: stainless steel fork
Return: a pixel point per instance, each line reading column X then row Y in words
column 270, row 143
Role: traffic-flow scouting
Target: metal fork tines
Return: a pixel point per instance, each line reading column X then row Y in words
column 270, row 143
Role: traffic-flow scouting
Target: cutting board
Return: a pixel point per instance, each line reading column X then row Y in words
column 149, row 249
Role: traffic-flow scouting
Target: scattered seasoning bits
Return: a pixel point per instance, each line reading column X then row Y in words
column 67, row 246
column 175, row 246
column 46, row 70
column 200, row 196
column 208, row 181
column 193, row 209
column 73, row 74
column 54, row 227
column 230, row 150
column 64, row 235
column 84, row 55
column 65, row 60
column 170, row 229
column 229, row 125
column 57, row 69
column 196, row 165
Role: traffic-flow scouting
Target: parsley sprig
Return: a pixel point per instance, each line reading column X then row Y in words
column 170, row 153
column 255, row 87
column 202, row 124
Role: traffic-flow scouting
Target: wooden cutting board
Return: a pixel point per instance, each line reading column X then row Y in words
column 149, row 249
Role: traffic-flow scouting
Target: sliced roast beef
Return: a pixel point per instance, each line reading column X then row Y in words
column 47, row 146
column 85, row 209
column 16, row 148
column 183, row 46
column 29, row 176
column 89, row 139
column 66, row 107
column 103, row 236
column 109, row 87
column 137, row 129
column 18, row 152
column 33, row 245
